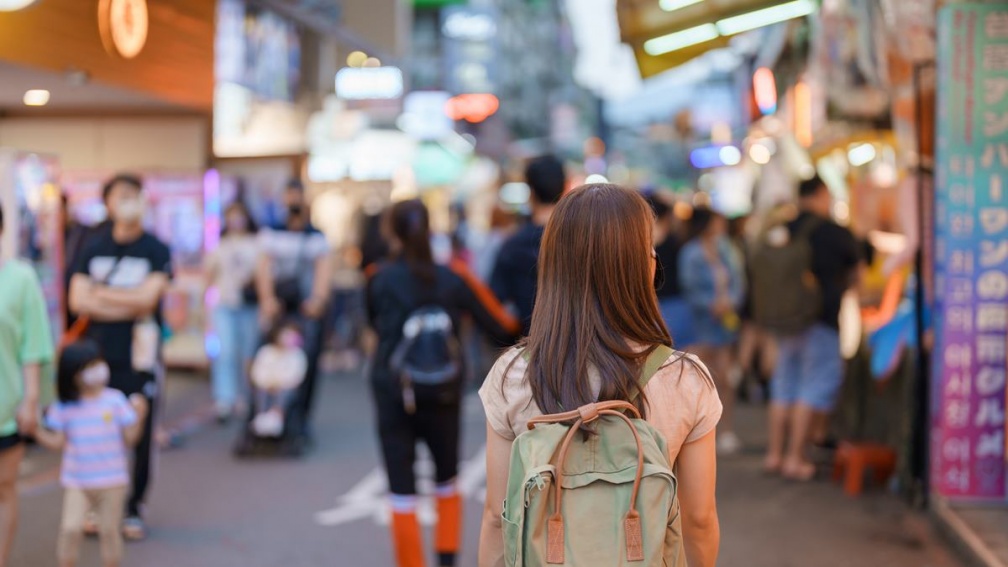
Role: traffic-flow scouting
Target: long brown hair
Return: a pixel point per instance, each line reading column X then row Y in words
column 596, row 306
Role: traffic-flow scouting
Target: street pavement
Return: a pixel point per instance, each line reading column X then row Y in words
column 208, row 509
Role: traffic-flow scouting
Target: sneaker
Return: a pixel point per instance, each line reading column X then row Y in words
column 134, row 529
column 223, row 413
column 728, row 444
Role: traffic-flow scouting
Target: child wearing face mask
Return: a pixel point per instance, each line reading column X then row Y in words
column 93, row 425
column 277, row 371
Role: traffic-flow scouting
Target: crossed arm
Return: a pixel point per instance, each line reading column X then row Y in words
column 103, row 303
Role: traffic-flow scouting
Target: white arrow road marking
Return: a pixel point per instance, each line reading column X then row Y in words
column 369, row 497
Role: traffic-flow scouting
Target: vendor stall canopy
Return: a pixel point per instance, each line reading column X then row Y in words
column 667, row 33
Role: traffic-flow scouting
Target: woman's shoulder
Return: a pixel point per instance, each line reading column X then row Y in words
column 507, row 376
column 685, row 373
column 513, row 362
column 506, row 395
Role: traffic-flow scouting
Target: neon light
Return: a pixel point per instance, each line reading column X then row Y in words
column 715, row 156
column 766, row 17
column 803, row 114
column 861, row 154
column 472, row 108
column 369, row 83
column 765, row 90
column 673, row 5
column 211, row 210
column 730, row 155
column 680, row 39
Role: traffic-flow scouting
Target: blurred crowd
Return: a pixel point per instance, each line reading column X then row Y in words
column 756, row 299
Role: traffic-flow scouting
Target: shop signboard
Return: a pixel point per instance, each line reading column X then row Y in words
column 470, row 36
column 971, row 251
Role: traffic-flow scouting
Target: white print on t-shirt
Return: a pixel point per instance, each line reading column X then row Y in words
column 130, row 271
column 293, row 253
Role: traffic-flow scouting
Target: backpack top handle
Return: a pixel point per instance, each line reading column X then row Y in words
column 555, row 524
column 586, row 413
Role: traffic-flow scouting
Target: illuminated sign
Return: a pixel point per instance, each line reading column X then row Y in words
column 472, row 108
column 765, row 90
column 469, row 26
column 123, row 26
column 424, row 115
column 715, row 156
column 378, row 83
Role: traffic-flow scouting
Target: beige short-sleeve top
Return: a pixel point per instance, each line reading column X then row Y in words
column 682, row 401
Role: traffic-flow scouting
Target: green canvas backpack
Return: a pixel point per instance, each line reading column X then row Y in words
column 608, row 499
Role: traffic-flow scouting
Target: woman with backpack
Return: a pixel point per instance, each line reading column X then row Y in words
column 595, row 336
column 414, row 306
column 713, row 283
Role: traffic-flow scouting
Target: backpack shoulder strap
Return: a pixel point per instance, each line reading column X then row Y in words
column 654, row 362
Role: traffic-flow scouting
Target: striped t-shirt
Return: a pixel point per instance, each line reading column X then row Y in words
column 95, row 453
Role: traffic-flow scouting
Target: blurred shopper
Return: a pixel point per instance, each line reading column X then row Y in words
column 712, row 283
column 758, row 345
column 514, row 276
column 25, row 345
column 231, row 270
column 486, row 246
column 74, row 236
column 416, row 378
column 800, row 275
column 595, row 323
column 374, row 246
column 668, row 244
column 118, row 283
column 92, row 425
column 293, row 280
column 277, row 372
column 755, row 350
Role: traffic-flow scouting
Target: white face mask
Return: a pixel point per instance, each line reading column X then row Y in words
column 95, row 375
column 129, row 210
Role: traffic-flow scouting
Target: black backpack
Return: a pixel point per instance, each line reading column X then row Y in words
column 428, row 359
column 786, row 297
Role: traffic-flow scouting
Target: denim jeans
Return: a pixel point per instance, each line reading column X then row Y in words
column 810, row 369
column 238, row 334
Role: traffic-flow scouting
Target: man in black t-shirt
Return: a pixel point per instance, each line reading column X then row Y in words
column 810, row 368
column 513, row 280
column 119, row 280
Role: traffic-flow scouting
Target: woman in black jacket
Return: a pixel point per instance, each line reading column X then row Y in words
column 414, row 306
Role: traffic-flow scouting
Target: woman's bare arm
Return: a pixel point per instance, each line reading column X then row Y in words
column 697, row 474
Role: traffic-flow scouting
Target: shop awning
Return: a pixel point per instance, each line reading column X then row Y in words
column 685, row 29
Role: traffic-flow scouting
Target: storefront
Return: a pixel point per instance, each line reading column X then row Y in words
column 123, row 88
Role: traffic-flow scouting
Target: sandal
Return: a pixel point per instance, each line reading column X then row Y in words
column 803, row 472
column 772, row 466
column 133, row 529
